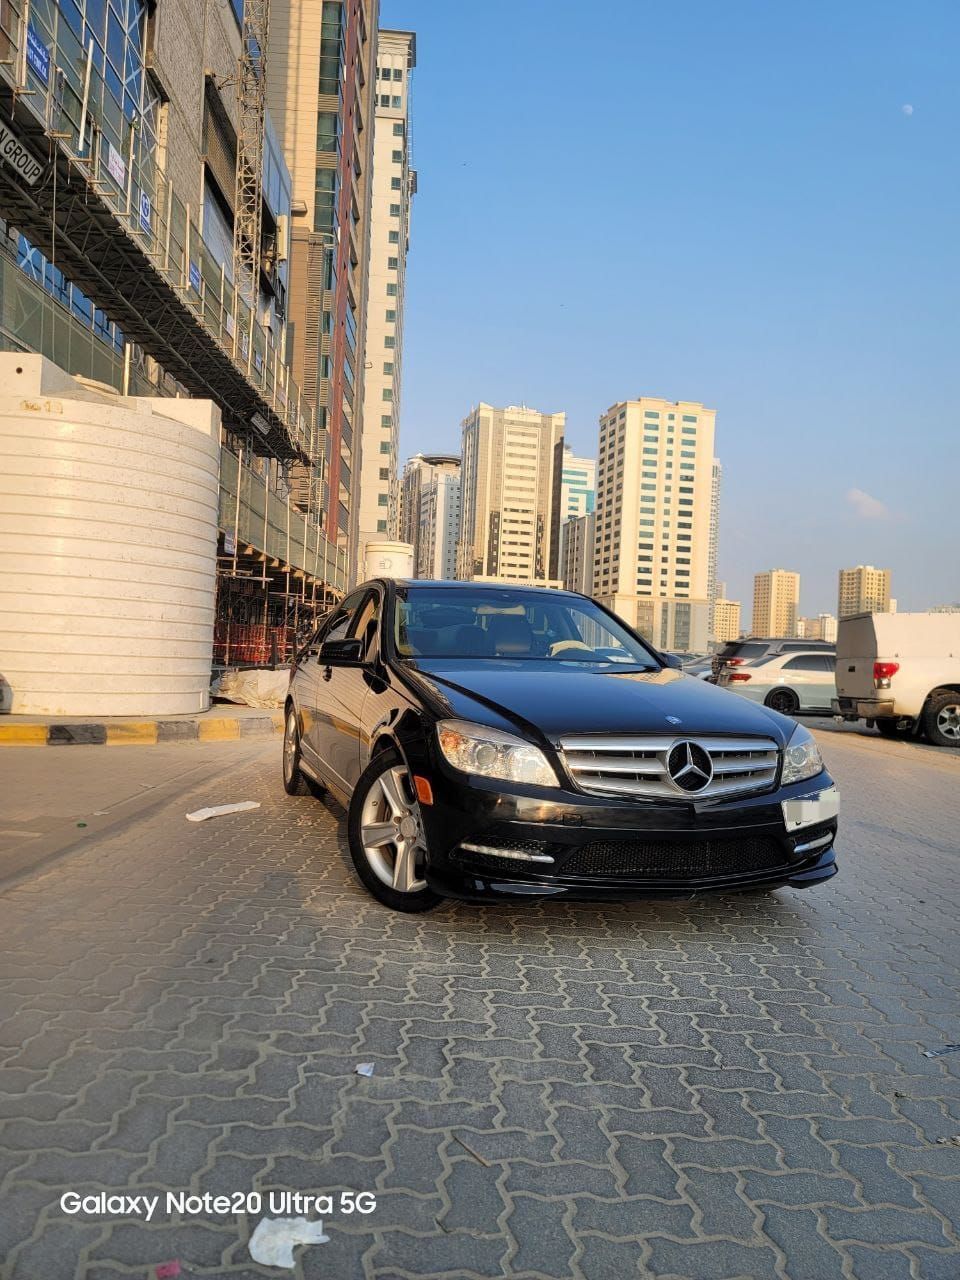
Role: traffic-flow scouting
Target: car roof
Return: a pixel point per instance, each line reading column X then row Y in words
column 448, row 584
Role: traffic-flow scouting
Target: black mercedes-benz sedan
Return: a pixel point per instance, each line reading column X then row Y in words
column 493, row 741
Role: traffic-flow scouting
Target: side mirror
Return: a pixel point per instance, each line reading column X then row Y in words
column 671, row 660
column 342, row 651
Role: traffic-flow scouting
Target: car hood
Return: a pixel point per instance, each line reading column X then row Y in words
column 561, row 702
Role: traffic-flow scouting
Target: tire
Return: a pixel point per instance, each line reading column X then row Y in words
column 295, row 782
column 941, row 718
column 889, row 727
column 783, row 700
column 385, row 835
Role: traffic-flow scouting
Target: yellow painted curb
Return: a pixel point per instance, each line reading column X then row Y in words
column 134, row 731
column 23, row 735
column 219, row 730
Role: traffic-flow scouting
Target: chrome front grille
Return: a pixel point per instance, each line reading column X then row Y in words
column 637, row 766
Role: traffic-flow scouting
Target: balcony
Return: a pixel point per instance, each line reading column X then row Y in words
column 106, row 214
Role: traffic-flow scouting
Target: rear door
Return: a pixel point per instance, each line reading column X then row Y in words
column 806, row 675
column 342, row 690
column 315, row 706
column 856, row 654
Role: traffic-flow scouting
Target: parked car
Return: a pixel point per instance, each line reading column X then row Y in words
column 500, row 742
column 787, row 682
column 702, row 668
column 736, row 652
column 901, row 672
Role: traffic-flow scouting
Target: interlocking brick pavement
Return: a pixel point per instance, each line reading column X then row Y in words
column 708, row 1091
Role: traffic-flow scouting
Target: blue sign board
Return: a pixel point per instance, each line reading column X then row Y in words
column 194, row 277
column 145, row 212
column 38, row 55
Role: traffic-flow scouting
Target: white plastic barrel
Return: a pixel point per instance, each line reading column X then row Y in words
column 108, row 531
column 388, row 560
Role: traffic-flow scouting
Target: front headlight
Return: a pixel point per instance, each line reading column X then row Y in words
column 802, row 758
column 471, row 748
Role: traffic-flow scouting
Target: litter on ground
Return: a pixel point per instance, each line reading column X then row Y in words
column 218, row 810
column 273, row 1240
column 364, row 1069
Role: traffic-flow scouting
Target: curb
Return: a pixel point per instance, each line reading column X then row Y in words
column 145, row 733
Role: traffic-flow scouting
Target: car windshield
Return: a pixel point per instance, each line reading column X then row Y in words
column 478, row 624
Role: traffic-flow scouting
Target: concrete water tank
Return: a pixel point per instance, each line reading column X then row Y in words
column 108, row 534
column 388, row 560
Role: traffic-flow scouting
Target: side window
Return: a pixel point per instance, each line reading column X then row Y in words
column 338, row 624
column 809, row 662
column 829, row 662
column 366, row 624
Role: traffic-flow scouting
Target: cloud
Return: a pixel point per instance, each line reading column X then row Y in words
column 867, row 507
column 907, row 109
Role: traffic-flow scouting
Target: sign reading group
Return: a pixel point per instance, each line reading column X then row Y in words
column 16, row 155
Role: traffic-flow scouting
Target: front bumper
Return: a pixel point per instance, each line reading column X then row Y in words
column 488, row 843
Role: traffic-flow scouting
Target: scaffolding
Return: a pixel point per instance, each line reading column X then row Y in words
column 251, row 105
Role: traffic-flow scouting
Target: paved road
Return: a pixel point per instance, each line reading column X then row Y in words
column 728, row 1088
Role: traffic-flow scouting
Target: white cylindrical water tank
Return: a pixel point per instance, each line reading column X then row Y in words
column 388, row 560
column 108, row 536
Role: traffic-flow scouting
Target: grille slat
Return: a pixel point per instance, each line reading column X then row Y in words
column 637, row 766
column 671, row 860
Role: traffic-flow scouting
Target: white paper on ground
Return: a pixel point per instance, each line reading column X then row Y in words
column 364, row 1069
column 217, row 811
column 273, row 1240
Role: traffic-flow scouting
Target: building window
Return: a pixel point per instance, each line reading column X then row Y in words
column 384, row 473
column 689, row 417
column 388, row 366
column 398, row 157
column 325, row 199
column 396, row 184
column 386, row 394
column 382, row 500
column 394, row 213
column 398, row 129
column 385, row 446
column 327, row 130
column 381, row 526
column 391, row 290
column 390, row 341
column 330, row 40
column 393, row 264
column 391, row 317
column 396, row 103
column 397, row 73
column 384, row 99
column 394, row 237
column 386, row 420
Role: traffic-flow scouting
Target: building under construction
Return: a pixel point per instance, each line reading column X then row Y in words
column 145, row 212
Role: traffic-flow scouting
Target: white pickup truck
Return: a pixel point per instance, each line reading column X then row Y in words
column 901, row 672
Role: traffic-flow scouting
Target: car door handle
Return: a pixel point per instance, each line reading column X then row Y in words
column 327, row 672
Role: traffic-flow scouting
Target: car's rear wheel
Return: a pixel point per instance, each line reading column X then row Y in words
column 941, row 718
column 783, row 700
column 385, row 832
column 295, row 782
column 891, row 727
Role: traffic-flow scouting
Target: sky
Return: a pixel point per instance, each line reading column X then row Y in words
column 754, row 205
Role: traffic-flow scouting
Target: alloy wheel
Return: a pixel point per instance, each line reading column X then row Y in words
column 948, row 721
column 289, row 747
column 391, row 831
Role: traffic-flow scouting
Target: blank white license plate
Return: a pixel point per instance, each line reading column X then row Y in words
column 806, row 811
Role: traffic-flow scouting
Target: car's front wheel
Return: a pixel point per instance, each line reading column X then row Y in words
column 385, row 832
